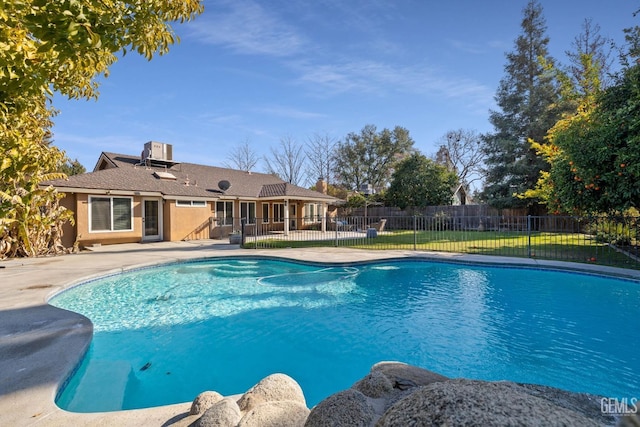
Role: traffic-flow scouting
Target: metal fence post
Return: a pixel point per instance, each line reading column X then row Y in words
column 337, row 222
column 255, row 233
column 529, row 236
column 415, row 232
column 243, row 235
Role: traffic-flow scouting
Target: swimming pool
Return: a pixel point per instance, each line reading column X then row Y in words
column 164, row 334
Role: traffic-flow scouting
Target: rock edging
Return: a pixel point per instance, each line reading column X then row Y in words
column 397, row 394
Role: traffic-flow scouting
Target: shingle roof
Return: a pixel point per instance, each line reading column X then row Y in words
column 126, row 173
column 285, row 189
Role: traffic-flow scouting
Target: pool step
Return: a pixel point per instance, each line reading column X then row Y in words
column 103, row 381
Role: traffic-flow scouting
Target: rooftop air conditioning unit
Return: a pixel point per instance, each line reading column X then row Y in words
column 157, row 151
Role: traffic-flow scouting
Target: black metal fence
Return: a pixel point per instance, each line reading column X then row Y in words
column 600, row 240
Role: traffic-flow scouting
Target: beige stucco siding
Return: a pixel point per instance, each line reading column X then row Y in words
column 87, row 237
column 69, row 229
column 187, row 222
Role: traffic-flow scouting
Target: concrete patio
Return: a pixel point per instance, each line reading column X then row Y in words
column 40, row 344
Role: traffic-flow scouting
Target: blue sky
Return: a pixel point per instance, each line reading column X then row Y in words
column 259, row 71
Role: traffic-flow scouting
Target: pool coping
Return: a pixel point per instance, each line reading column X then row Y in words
column 40, row 344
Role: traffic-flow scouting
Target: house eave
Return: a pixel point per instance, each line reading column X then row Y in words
column 107, row 191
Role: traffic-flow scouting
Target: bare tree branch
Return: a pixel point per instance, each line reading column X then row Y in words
column 320, row 155
column 460, row 151
column 591, row 42
column 242, row 157
column 288, row 161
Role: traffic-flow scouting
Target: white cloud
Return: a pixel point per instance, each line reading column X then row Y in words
column 287, row 112
column 246, row 27
column 377, row 77
column 466, row 47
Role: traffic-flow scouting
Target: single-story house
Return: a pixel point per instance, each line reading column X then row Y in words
column 150, row 197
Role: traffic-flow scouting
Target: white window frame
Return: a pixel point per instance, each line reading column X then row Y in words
column 265, row 213
column 312, row 217
column 111, row 230
column 191, row 204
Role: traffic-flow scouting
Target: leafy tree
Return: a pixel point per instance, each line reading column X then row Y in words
column 356, row 200
column 418, row 182
column 242, row 157
column 288, row 161
column 563, row 188
column 597, row 168
column 526, row 96
column 72, row 167
column 369, row 157
column 461, row 152
column 62, row 46
column 632, row 37
column 30, row 216
column 590, row 43
column 336, row 191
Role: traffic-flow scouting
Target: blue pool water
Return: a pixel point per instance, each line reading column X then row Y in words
column 163, row 335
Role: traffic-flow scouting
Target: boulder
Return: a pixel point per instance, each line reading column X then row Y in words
column 346, row 408
column 588, row 405
column 403, row 376
column 284, row 413
column 224, row 413
column 274, row 388
column 388, row 382
column 629, row 420
column 469, row 402
column 375, row 385
column 204, row 401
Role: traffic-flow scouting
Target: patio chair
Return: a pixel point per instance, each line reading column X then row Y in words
column 379, row 226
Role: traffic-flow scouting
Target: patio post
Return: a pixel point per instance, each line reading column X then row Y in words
column 286, row 217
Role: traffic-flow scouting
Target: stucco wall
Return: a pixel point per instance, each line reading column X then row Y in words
column 187, row 222
column 87, row 238
column 68, row 229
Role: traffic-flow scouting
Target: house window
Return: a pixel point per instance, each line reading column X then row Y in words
column 312, row 212
column 224, row 213
column 265, row 213
column 111, row 213
column 191, row 203
column 278, row 212
column 248, row 211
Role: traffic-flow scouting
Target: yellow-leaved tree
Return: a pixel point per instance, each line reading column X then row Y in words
column 60, row 46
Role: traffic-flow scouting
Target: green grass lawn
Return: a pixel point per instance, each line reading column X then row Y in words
column 555, row 246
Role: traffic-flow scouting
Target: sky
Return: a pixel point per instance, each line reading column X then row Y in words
column 258, row 72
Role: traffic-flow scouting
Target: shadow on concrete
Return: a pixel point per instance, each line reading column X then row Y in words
column 40, row 345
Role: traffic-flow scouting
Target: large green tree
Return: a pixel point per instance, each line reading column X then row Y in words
column 526, row 97
column 597, row 165
column 368, row 157
column 592, row 150
column 63, row 46
column 418, row 182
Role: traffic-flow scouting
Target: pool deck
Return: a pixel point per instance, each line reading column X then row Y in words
column 41, row 344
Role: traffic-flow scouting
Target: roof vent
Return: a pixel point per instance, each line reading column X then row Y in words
column 224, row 185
